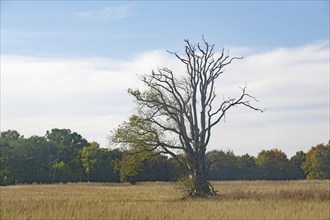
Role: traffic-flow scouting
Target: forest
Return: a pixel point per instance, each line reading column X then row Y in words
column 62, row 156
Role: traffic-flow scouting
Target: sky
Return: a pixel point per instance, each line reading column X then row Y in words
column 68, row 64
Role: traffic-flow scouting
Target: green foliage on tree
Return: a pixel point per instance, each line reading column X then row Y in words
column 39, row 155
column 228, row 166
column 9, row 141
column 39, row 159
column 178, row 170
column 25, row 160
column 7, row 164
column 132, row 167
column 89, row 158
column 105, row 168
column 296, row 162
column 10, row 135
column 317, row 164
column 157, row 168
column 248, row 169
column 129, row 168
column 273, row 164
column 59, row 156
column 70, row 145
column 222, row 165
column 99, row 164
column 61, row 172
column 137, row 146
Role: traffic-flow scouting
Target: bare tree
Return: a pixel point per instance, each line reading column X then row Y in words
column 178, row 113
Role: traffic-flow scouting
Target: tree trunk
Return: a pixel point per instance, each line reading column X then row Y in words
column 200, row 185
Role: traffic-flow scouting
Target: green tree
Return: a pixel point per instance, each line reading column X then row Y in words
column 70, row 145
column 248, row 169
column 25, row 160
column 11, row 154
column 317, row 164
column 136, row 148
column 222, row 165
column 10, row 135
column 89, row 157
column 98, row 163
column 131, row 165
column 178, row 170
column 273, row 165
column 105, row 166
column 12, row 159
column 61, row 172
column 181, row 111
column 60, row 156
column 39, row 155
column 7, row 169
column 129, row 168
column 156, row 168
column 296, row 162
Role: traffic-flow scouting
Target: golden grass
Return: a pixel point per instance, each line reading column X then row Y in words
column 236, row 200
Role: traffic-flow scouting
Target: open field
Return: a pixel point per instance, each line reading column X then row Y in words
column 236, row 200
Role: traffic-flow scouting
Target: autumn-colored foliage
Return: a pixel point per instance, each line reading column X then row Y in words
column 317, row 164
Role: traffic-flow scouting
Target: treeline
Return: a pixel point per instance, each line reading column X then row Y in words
column 65, row 156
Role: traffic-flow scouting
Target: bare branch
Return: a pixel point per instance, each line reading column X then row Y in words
column 179, row 113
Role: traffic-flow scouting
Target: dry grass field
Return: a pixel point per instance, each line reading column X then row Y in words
column 236, row 200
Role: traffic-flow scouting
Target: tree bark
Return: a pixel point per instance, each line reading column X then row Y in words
column 200, row 185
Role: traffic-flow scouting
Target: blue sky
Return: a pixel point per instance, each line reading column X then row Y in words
column 68, row 64
column 121, row 29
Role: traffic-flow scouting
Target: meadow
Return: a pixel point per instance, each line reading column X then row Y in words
column 159, row 200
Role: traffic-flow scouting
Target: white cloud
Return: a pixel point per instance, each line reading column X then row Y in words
column 40, row 93
column 293, row 84
column 107, row 13
column 89, row 96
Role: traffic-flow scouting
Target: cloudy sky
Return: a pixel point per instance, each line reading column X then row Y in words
column 68, row 64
